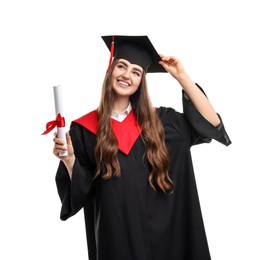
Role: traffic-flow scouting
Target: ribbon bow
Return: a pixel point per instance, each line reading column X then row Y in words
column 59, row 122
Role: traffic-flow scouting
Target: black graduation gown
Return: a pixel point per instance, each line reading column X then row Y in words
column 125, row 218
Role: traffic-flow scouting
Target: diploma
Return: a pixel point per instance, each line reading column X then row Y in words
column 59, row 113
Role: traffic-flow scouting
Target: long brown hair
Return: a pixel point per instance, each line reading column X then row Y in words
column 152, row 135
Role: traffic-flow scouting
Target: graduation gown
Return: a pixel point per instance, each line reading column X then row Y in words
column 125, row 218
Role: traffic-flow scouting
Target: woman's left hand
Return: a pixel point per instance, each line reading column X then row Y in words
column 172, row 65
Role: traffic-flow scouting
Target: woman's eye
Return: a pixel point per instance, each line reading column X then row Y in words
column 136, row 73
column 121, row 66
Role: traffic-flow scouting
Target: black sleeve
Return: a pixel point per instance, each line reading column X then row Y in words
column 201, row 126
column 75, row 193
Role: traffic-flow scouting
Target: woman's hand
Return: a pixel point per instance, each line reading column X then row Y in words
column 173, row 66
column 59, row 147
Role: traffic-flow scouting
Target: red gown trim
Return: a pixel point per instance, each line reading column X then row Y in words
column 126, row 131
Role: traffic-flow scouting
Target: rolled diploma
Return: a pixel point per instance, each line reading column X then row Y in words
column 59, row 109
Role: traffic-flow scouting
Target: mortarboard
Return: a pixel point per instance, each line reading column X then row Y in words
column 136, row 49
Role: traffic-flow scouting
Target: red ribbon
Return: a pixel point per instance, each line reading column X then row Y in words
column 59, row 122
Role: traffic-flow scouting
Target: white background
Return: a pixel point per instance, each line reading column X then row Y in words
column 225, row 46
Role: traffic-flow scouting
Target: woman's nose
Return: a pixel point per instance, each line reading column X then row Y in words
column 126, row 73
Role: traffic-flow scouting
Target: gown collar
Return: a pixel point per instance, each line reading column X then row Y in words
column 126, row 132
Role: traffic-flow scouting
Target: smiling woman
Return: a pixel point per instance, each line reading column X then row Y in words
column 129, row 165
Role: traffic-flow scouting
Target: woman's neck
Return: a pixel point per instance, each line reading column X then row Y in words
column 120, row 104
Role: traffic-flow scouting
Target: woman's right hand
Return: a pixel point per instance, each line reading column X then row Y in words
column 59, row 146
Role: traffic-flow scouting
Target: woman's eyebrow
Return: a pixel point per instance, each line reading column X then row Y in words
column 139, row 70
column 122, row 62
column 134, row 68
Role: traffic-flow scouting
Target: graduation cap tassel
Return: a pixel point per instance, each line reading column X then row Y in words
column 111, row 53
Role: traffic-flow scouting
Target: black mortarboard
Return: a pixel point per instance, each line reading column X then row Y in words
column 136, row 49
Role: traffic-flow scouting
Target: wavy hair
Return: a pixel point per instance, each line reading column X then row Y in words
column 152, row 135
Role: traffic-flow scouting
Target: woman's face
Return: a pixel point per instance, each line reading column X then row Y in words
column 126, row 78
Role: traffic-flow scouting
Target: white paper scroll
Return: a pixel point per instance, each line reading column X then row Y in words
column 59, row 110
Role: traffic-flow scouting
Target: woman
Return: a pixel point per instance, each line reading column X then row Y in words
column 129, row 165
